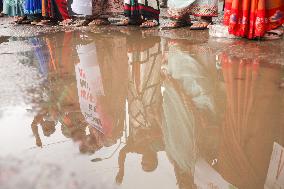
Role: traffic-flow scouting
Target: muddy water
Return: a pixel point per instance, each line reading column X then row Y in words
column 136, row 109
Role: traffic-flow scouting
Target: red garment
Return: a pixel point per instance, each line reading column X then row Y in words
column 253, row 18
column 56, row 9
column 62, row 7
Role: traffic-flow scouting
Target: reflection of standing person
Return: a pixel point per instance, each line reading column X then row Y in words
column 190, row 113
column 246, row 143
column 144, row 102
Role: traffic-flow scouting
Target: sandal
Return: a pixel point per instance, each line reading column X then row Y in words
column 2, row 14
column 149, row 24
column 99, row 22
column 202, row 24
column 274, row 34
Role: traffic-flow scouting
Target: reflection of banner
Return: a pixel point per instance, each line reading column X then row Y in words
column 89, row 85
column 275, row 175
column 205, row 177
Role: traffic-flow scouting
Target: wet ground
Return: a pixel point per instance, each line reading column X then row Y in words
column 128, row 108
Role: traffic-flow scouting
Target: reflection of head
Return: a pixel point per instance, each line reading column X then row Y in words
column 89, row 145
column 48, row 128
column 149, row 161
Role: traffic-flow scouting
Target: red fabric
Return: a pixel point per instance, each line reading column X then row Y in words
column 62, row 7
column 253, row 18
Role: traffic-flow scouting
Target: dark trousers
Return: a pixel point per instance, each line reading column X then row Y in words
column 1, row 6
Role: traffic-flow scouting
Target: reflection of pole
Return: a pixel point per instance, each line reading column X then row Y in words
column 110, row 156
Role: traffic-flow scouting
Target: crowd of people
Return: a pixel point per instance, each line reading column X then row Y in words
column 247, row 18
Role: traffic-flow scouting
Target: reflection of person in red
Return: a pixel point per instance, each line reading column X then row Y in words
column 246, row 143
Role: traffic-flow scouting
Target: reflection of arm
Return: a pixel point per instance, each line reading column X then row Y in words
column 36, row 121
column 121, row 161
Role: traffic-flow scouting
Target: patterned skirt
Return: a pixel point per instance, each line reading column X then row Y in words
column 32, row 7
column 147, row 9
column 55, row 9
column 180, row 8
column 13, row 7
column 253, row 18
column 107, row 8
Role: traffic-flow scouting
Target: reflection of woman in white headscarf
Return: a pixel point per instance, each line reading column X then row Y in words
column 188, row 104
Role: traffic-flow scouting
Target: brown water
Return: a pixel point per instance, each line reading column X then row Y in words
column 137, row 109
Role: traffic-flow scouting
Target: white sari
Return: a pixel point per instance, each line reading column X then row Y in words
column 83, row 7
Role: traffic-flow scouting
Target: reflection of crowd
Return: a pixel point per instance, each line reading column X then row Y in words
column 178, row 110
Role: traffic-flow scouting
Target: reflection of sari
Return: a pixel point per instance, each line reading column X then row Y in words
column 42, row 54
column 250, row 126
column 188, row 95
column 253, row 18
column 193, row 7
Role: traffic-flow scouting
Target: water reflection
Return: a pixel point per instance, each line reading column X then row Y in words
column 212, row 123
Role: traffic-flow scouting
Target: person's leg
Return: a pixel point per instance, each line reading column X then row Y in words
column 150, row 12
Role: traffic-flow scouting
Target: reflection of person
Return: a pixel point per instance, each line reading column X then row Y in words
column 142, row 144
column 189, row 106
column 246, row 143
column 48, row 127
column 144, row 103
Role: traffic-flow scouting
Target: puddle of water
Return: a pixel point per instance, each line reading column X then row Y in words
column 131, row 109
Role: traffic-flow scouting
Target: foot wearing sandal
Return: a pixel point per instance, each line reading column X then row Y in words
column 202, row 23
column 174, row 23
column 100, row 22
column 66, row 22
column 20, row 19
column 149, row 24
